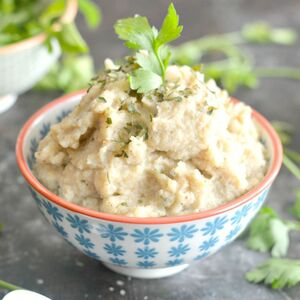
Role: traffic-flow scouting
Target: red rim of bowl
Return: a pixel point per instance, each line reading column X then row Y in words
column 68, row 16
column 33, row 182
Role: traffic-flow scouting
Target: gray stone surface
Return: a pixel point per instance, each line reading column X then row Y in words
column 32, row 255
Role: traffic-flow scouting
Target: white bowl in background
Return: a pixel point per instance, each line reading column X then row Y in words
column 24, row 63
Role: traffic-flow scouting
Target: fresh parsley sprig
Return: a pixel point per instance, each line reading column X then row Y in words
column 269, row 232
column 139, row 35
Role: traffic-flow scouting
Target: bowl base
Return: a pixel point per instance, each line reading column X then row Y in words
column 7, row 101
column 146, row 273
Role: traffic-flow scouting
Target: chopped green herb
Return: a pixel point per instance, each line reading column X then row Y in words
column 108, row 121
column 197, row 68
column 101, row 99
column 210, row 109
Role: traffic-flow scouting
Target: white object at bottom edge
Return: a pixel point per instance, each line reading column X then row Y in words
column 24, row 295
column 146, row 273
column 7, row 101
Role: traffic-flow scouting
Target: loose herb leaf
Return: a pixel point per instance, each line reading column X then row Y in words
column 268, row 232
column 139, row 35
column 278, row 273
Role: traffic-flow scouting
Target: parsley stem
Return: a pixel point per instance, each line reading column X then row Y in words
column 9, row 286
column 161, row 64
column 293, row 155
column 280, row 72
column 291, row 166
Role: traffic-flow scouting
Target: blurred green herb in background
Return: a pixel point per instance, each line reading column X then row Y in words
column 269, row 232
column 20, row 20
column 236, row 68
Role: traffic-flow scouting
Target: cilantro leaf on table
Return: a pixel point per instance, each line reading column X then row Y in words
column 268, row 232
column 277, row 272
column 139, row 35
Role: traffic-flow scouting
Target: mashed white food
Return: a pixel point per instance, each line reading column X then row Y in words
column 184, row 150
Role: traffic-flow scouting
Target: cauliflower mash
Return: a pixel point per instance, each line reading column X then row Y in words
column 179, row 149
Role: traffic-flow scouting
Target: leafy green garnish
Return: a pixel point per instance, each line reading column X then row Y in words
column 268, row 232
column 295, row 209
column 72, row 73
column 278, row 273
column 139, row 35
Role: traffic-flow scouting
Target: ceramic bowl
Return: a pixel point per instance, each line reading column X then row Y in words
column 24, row 63
column 141, row 247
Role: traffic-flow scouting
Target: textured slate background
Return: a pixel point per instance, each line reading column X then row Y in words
column 32, row 255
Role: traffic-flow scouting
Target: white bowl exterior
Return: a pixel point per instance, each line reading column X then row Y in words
column 21, row 70
column 138, row 245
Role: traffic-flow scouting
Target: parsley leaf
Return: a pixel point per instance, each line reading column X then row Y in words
column 139, row 35
column 136, row 32
column 170, row 29
column 144, row 81
column 276, row 272
column 268, row 232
